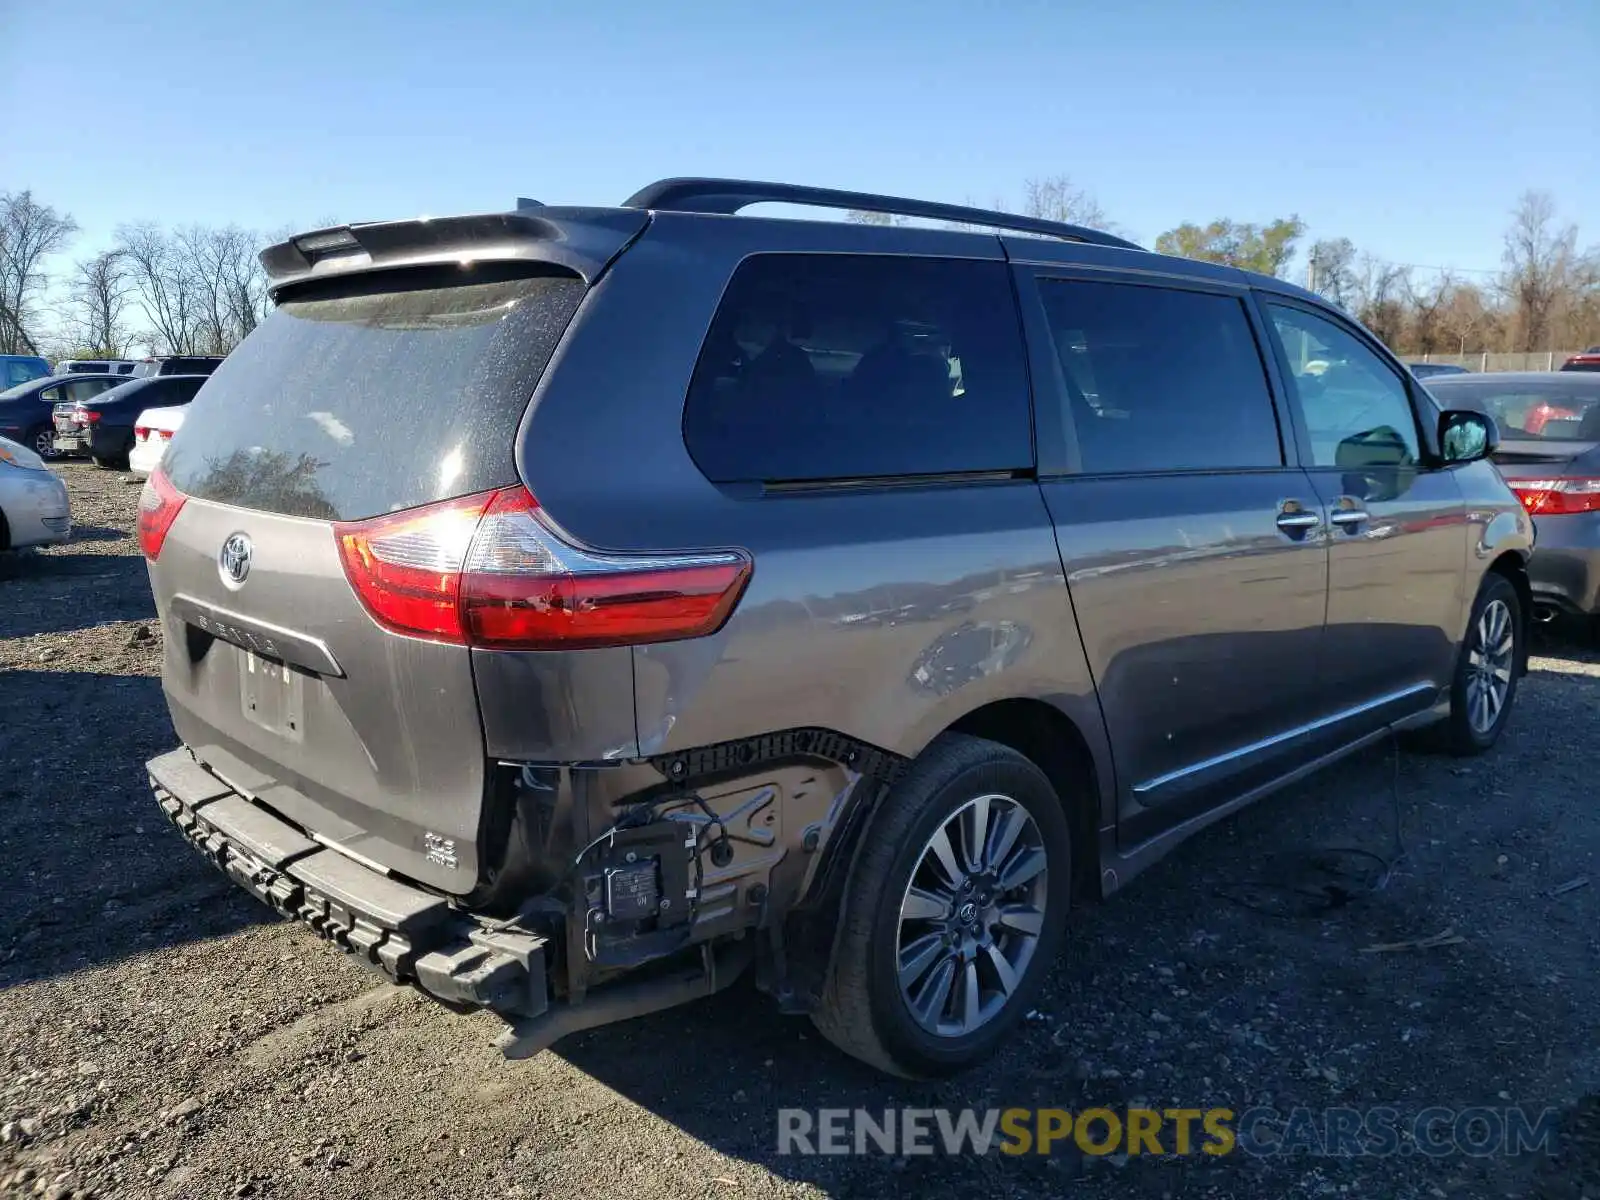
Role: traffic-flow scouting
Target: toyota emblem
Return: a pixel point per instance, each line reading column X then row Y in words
column 233, row 560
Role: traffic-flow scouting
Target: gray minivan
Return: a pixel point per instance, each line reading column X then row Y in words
column 568, row 610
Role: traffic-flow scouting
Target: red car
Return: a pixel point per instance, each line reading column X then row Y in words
column 1589, row 360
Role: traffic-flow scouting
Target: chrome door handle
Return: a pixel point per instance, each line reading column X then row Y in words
column 1347, row 517
column 1298, row 520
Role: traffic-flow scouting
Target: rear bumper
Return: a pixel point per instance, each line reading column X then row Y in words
column 408, row 934
column 145, row 456
column 1564, row 571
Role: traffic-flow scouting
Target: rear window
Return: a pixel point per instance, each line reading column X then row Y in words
column 838, row 367
column 1547, row 411
column 382, row 395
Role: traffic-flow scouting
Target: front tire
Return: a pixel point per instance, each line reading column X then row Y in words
column 1488, row 668
column 954, row 911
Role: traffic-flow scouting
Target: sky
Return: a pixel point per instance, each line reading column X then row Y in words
column 1408, row 126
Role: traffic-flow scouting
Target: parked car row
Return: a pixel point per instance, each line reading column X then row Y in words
column 105, row 426
column 81, row 411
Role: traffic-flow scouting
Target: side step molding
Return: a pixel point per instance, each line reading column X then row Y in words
column 717, row 969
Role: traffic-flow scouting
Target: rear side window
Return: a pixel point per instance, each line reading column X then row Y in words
column 86, row 389
column 182, row 391
column 1159, row 379
column 376, row 394
column 821, row 367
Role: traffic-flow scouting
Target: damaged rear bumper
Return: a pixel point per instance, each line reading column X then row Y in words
column 408, row 934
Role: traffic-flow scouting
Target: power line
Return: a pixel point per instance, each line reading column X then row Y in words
column 1447, row 270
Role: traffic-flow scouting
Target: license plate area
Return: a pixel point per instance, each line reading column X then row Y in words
column 272, row 695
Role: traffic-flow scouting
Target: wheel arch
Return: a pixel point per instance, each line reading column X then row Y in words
column 1513, row 566
column 1052, row 741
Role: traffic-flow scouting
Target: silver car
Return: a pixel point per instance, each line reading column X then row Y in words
column 33, row 503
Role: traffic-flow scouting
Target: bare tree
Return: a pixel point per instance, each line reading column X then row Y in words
column 1380, row 298
column 98, row 306
column 1467, row 319
column 162, row 283
column 1333, row 271
column 30, row 232
column 1056, row 198
column 1427, row 305
column 1540, row 258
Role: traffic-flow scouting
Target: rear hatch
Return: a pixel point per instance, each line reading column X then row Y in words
column 361, row 396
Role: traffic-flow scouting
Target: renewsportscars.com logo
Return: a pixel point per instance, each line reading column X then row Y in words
column 1260, row 1132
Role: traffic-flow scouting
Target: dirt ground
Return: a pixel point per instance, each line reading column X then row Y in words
column 161, row 1034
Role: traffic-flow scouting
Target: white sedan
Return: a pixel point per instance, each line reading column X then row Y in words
column 151, row 433
column 33, row 501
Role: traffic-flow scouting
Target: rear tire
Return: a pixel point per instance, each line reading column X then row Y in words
column 1488, row 668
column 42, row 440
column 931, row 973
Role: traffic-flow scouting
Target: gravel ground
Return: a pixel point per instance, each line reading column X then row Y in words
column 164, row 1036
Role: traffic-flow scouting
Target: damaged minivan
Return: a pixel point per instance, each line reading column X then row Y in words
column 570, row 610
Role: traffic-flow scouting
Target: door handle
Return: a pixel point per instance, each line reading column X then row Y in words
column 1348, row 518
column 1294, row 518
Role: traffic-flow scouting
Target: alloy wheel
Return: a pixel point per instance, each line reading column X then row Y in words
column 1491, row 657
column 971, row 915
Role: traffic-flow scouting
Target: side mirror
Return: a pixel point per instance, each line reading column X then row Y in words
column 1467, row 436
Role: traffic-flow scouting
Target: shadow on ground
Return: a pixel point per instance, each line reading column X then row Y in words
column 94, row 872
column 64, row 591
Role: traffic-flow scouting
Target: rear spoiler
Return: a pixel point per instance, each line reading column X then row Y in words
column 583, row 240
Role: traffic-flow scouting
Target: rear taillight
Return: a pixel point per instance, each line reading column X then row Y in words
column 164, row 434
column 1558, row 497
column 159, row 505
column 86, row 416
column 406, row 567
column 492, row 571
column 142, row 432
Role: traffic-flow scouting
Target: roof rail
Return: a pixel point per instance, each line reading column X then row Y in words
column 728, row 196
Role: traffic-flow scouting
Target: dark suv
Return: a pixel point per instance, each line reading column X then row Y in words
column 568, row 609
column 177, row 364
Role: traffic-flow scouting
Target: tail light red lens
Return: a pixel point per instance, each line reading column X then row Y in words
column 86, row 416
column 406, row 567
column 159, row 506
column 142, row 432
column 164, row 434
column 1558, row 497
column 493, row 571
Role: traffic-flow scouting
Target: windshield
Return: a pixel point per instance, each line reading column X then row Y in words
column 1553, row 410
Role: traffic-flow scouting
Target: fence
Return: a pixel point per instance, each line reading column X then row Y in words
column 1532, row 360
